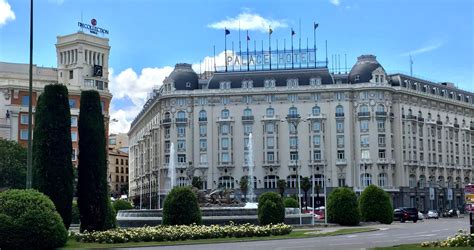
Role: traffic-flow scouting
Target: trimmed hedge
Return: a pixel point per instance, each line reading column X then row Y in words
column 375, row 205
column 290, row 202
column 181, row 207
column 122, row 205
column 343, row 207
column 270, row 209
column 29, row 220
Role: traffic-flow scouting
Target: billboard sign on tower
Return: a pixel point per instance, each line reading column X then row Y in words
column 93, row 29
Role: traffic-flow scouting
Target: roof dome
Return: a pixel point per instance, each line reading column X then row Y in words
column 362, row 70
column 184, row 77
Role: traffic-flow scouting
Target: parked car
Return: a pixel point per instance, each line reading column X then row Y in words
column 450, row 213
column 421, row 216
column 403, row 214
column 432, row 214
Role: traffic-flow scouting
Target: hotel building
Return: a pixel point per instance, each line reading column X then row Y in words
column 412, row 137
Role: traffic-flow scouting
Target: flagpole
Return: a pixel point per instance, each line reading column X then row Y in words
column 326, row 53
column 299, row 59
column 225, row 48
column 315, row 49
column 278, row 59
column 262, row 56
column 284, row 51
column 307, row 49
column 292, row 64
column 240, row 50
column 29, row 155
column 255, row 52
column 270, row 45
column 233, row 54
column 248, row 64
column 214, row 58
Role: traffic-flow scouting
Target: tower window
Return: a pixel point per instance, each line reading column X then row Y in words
column 71, row 74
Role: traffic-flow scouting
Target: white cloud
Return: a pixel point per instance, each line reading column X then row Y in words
column 127, row 84
column 6, row 13
column 249, row 21
column 424, row 49
column 335, row 2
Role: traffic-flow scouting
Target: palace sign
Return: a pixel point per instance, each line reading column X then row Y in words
column 92, row 27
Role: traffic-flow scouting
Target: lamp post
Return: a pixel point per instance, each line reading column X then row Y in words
column 294, row 120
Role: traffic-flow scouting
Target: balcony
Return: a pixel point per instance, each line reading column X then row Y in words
column 181, row 165
column 181, row 120
column 456, row 125
column 341, row 162
column 380, row 113
column 166, row 121
column 270, row 118
column 439, row 122
column 363, row 114
column 316, row 162
column 203, row 165
column 382, row 161
column 226, row 164
column 421, row 119
column 267, row 164
column 203, row 119
column 247, row 118
column 316, row 116
column 293, row 116
column 411, row 117
column 341, row 115
column 294, row 163
column 225, row 119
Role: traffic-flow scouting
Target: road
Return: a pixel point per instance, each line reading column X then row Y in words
column 388, row 235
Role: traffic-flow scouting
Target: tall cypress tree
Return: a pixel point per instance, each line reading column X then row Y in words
column 52, row 149
column 92, row 183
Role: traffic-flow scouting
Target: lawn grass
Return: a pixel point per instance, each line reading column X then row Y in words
column 418, row 246
column 72, row 243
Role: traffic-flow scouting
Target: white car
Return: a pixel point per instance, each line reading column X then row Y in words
column 432, row 214
column 420, row 216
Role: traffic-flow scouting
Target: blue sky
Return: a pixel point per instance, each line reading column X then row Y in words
column 149, row 37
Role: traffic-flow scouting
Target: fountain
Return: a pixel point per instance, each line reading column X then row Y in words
column 218, row 207
column 250, row 194
column 172, row 167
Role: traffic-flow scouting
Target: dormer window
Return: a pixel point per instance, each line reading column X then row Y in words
column 315, row 81
column 269, row 83
column 188, row 85
column 292, row 83
column 357, row 77
column 247, row 84
column 224, row 85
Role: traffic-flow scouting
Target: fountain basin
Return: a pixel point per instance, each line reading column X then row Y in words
column 210, row 216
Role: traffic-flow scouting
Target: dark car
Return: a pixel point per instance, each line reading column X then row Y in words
column 403, row 214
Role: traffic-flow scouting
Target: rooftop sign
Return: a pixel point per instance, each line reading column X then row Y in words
column 93, row 28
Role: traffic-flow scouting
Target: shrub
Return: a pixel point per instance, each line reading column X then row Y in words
column 52, row 149
column 290, row 202
column 75, row 217
column 29, row 220
column 12, row 164
column 92, row 194
column 111, row 219
column 343, row 207
column 375, row 205
column 122, row 205
column 270, row 209
column 181, row 207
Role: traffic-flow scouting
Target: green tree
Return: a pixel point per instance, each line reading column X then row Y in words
column 281, row 184
column 343, row 207
column 196, row 182
column 52, row 149
column 122, row 205
column 375, row 205
column 270, row 209
column 92, row 190
column 290, row 202
column 181, row 207
column 244, row 186
column 12, row 164
column 306, row 186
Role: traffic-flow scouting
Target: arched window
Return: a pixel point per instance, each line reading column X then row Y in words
column 292, row 181
column 380, row 108
column 422, row 182
column 167, row 115
column 318, row 181
column 316, row 110
column 441, row 180
column 202, row 114
column 412, row 181
column 450, row 181
column 250, row 182
column 339, row 110
column 366, row 179
column 225, row 113
column 226, row 182
column 182, row 182
column 181, row 114
column 270, row 112
column 270, row 181
column 383, row 180
column 458, row 182
column 293, row 111
column 466, row 180
column 247, row 112
column 432, row 180
column 364, row 108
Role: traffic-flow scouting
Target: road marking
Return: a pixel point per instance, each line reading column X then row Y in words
column 345, row 244
column 351, row 236
column 417, row 236
column 384, row 228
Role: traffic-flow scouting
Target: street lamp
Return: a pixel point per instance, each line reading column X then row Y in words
column 294, row 119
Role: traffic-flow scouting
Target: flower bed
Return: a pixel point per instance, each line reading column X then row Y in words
column 461, row 239
column 176, row 233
